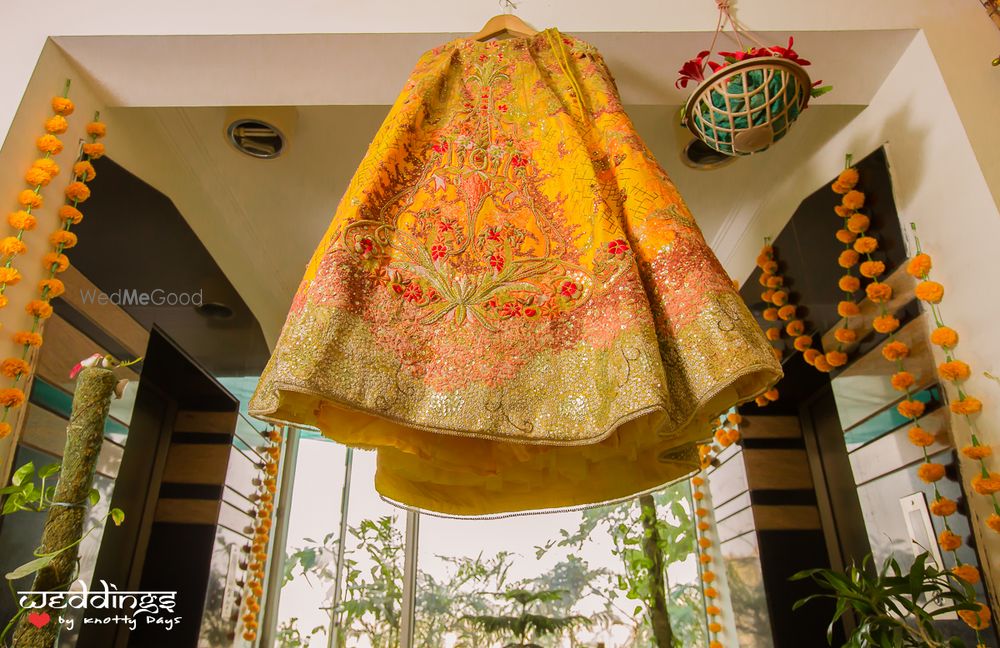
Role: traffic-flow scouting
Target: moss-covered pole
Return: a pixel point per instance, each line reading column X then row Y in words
column 64, row 525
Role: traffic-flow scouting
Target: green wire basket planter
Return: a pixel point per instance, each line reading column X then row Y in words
column 749, row 105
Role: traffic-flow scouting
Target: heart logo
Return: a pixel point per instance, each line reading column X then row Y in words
column 38, row 619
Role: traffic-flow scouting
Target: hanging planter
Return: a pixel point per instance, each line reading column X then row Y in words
column 751, row 98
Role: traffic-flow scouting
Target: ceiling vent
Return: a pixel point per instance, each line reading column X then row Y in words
column 262, row 133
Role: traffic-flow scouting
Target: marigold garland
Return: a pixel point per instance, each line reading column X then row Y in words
column 267, row 484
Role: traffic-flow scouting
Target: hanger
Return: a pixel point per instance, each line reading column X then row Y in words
column 504, row 24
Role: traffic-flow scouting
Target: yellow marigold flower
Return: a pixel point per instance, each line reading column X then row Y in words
column 97, row 129
column 54, row 261
column 771, row 394
column 773, row 333
column 9, row 276
column 786, row 312
column 93, row 150
column 885, row 324
column 858, row 223
column 64, row 238
column 853, row 200
column 11, row 397
column 879, row 292
column 803, row 342
column 848, row 259
column 866, row 245
column 704, row 543
column 795, row 328
column 976, row 619
column 929, row 291
column 954, row 370
column 30, row 198
column 70, row 213
column 5, row 430
column 986, row 485
column 846, row 236
column 845, row 335
column 36, row 177
column 895, row 350
column 968, row 573
column 810, row 355
column 779, row 298
column 53, row 286
column 968, row 405
column 848, row 178
column 849, row 283
column 62, row 106
column 770, row 314
column 993, row 522
column 943, row 507
column 902, row 380
column 977, row 451
column 12, row 245
column 56, row 125
column 847, row 309
column 77, row 192
column 919, row 266
column 734, row 418
column 945, row 337
column 47, row 165
column 38, row 308
column 823, row 364
column 872, row 269
column 836, row 358
column 27, row 338
column 949, row 540
column 49, row 144
column 22, row 220
column 14, row 367
column 775, row 281
column 930, row 472
column 920, row 437
column 84, row 170
column 911, row 409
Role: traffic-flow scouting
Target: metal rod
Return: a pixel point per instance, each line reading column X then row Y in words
column 279, row 538
column 407, row 617
column 345, row 500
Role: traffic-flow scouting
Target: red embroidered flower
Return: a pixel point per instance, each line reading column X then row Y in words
column 502, row 108
column 519, row 161
column 568, row 288
column 438, row 251
column 530, row 311
column 482, row 58
column 510, row 309
column 496, row 261
column 441, row 147
column 433, row 296
column 366, row 245
column 413, row 293
column 397, row 288
column 493, row 234
column 492, row 303
column 446, row 226
column 617, row 247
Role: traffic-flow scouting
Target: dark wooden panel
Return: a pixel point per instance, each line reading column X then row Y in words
column 761, row 426
column 783, row 518
column 208, row 422
column 197, row 463
column 777, row 469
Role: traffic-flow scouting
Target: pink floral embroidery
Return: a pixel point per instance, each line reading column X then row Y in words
column 617, row 247
column 568, row 289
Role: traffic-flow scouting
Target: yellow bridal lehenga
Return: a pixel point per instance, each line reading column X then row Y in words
column 513, row 305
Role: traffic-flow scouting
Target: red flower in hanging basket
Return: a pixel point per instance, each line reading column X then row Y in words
column 692, row 70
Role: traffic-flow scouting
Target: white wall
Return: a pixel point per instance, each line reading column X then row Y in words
column 938, row 186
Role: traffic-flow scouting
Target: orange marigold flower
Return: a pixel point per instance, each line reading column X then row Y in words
column 779, row 298
column 968, row 405
column 853, row 200
column 976, row 619
column 911, row 409
column 27, row 338
column 823, row 364
column 895, row 350
column 773, row 333
column 846, row 236
column 762, row 260
column 713, row 610
column 9, row 276
column 711, row 592
column 986, row 485
column 84, row 170
column 12, row 245
column 51, row 288
column 902, row 380
column 38, row 308
column 858, row 223
column 954, row 370
column 733, row 436
column 920, row 437
column 49, row 144
column 46, row 165
column 771, row 267
column 968, row 573
column 77, row 192
column 56, row 125
column 845, row 335
column 704, row 526
column 775, row 281
column 849, row 283
column 949, row 540
column 993, row 522
column 842, row 211
column 771, row 394
column 30, row 198
column 97, row 129
column 786, row 312
column 879, row 292
column 836, row 358
column 704, row 543
column 36, row 177
column 770, row 314
column 734, row 418
column 14, row 367
column 708, row 576
column 872, row 269
column 64, row 238
column 54, row 261
column 810, row 355
column 929, row 291
column 697, row 481
column 715, row 644
column 701, row 512
column 848, row 178
column 93, row 150
column 762, row 279
column 847, row 309
column 866, row 245
column 714, row 627
column 977, row 451
column 885, row 324
column 795, row 328
column 704, row 559
column 62, row 106
column 5, row 430
column 919, row 266
column 945, row 337
column 803, row 342
column 11, row 397
column 767, row 296
column 22, row 220
column 70, row 213
column 848, row 259
column 943, row 507
column 930, row 472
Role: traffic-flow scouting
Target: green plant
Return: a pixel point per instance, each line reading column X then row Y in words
column 893, row 609
column 520, row 624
